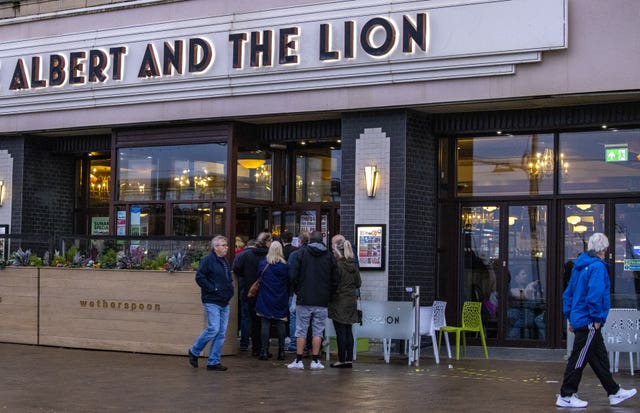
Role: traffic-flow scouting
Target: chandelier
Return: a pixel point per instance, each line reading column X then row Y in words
column 542, row 164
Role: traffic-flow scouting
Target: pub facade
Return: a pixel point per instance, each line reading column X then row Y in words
column 456, row 143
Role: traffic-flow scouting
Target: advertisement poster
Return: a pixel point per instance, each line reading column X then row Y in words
column 121, row 221
column 308, row 223
column 99, row 225
column 370, row 246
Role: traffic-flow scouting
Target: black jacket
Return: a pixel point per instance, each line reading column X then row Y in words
column 314, row 275
column 214, row 278
column 245, row 267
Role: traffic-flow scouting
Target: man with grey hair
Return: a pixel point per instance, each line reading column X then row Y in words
column 216, row 286
column 586, row 303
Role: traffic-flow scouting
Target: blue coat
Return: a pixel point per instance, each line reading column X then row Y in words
column 587, row 298
column 214, row 278
column 273, row 296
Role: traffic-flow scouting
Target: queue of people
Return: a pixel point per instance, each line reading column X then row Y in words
column 303, row 284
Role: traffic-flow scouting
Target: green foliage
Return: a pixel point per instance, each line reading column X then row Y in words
column 108, row 258
column 71, row 252
column 35, row 261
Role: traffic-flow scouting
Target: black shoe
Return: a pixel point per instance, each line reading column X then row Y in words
column 281, row 354
column 193, row 360
column 255, row 353
column 263, row 356
column 216, row 367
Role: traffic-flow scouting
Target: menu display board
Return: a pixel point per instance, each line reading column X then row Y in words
column 370, row 242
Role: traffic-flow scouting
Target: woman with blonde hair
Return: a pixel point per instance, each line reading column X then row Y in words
column 343, row 307
column 272, row 304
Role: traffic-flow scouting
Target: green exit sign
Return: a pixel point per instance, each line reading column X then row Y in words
column 616, row 154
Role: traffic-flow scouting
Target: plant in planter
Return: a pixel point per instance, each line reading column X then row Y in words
column 175, row 263
column 21, row 258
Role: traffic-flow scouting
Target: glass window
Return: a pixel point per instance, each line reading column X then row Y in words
column 505, row 165
column 626, row 287
column 318, row 172
column 601, row 161
column 184, row 172
column 146, row 220
column 99, row 178
column 526, row 311
column 255, row 180
column 191, row 219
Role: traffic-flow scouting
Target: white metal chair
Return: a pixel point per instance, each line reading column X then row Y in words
column 431, row 320
column 439, row 321
column 621, row 333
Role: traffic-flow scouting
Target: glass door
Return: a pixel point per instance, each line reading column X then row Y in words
column 526, row 278
column 626, row 249
column 481, row 262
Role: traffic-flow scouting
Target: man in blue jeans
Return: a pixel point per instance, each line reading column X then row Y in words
column 216, row 285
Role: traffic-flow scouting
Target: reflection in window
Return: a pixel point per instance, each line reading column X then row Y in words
column 191, row 219
column 601, row 161
column 184, row 172
column 99, row 179
column 505, row 165
column 255, row 175
column 318, row 172
column 146, row 220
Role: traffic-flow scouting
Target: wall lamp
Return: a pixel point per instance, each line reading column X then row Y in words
column 372, row 179
column 1, row 192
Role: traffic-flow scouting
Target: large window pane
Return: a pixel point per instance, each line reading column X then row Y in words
column 147, row 220
column 99, row 178
column 626, row 288
column 191, row 219
column 255, row 178
column 318, row 172
column 184, row 172
column 505, row 165
column 526, row 311
column 601, row 161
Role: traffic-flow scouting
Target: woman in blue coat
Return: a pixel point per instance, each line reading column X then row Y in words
column 272, row 304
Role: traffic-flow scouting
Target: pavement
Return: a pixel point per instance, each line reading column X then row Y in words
column 50, row 379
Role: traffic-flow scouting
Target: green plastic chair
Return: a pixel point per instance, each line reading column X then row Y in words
column 471, row 322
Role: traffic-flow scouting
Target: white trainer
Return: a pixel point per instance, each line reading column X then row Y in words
column 296, row 365
column 570, row 401
column 621, row 396
column 316, row 365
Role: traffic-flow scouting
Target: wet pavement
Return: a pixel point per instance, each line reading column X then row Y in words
column 50, row 379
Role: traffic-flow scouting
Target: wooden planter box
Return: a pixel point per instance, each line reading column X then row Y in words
column 139, row 311
column 19, row 305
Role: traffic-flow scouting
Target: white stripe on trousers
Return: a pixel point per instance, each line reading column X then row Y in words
column 585, row 349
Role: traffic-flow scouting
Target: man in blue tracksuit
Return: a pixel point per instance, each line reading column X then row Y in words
column 586, row 303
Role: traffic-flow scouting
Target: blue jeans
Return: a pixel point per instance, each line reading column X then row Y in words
column 217, row 321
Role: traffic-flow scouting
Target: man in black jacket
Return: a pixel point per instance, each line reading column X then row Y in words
column 216, row 285
column 314, row 275
column 245, row 267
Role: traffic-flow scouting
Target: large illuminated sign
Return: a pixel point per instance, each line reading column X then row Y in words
column 338, row 44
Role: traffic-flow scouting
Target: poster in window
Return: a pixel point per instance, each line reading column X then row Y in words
column 370, row 246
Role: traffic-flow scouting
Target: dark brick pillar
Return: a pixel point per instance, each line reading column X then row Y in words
column 411, row 240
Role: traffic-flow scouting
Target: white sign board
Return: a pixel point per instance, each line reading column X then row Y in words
column 317, row 46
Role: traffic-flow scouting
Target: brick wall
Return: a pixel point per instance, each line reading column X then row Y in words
column 48, row 189
column 408, row 186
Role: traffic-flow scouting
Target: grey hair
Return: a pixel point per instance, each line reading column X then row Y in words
column 218, row 239
column 598, row 242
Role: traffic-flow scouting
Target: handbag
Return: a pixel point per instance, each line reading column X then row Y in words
column 255, row 287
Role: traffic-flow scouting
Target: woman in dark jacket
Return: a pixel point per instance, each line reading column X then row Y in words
column 273, row 298
column 343, row 307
